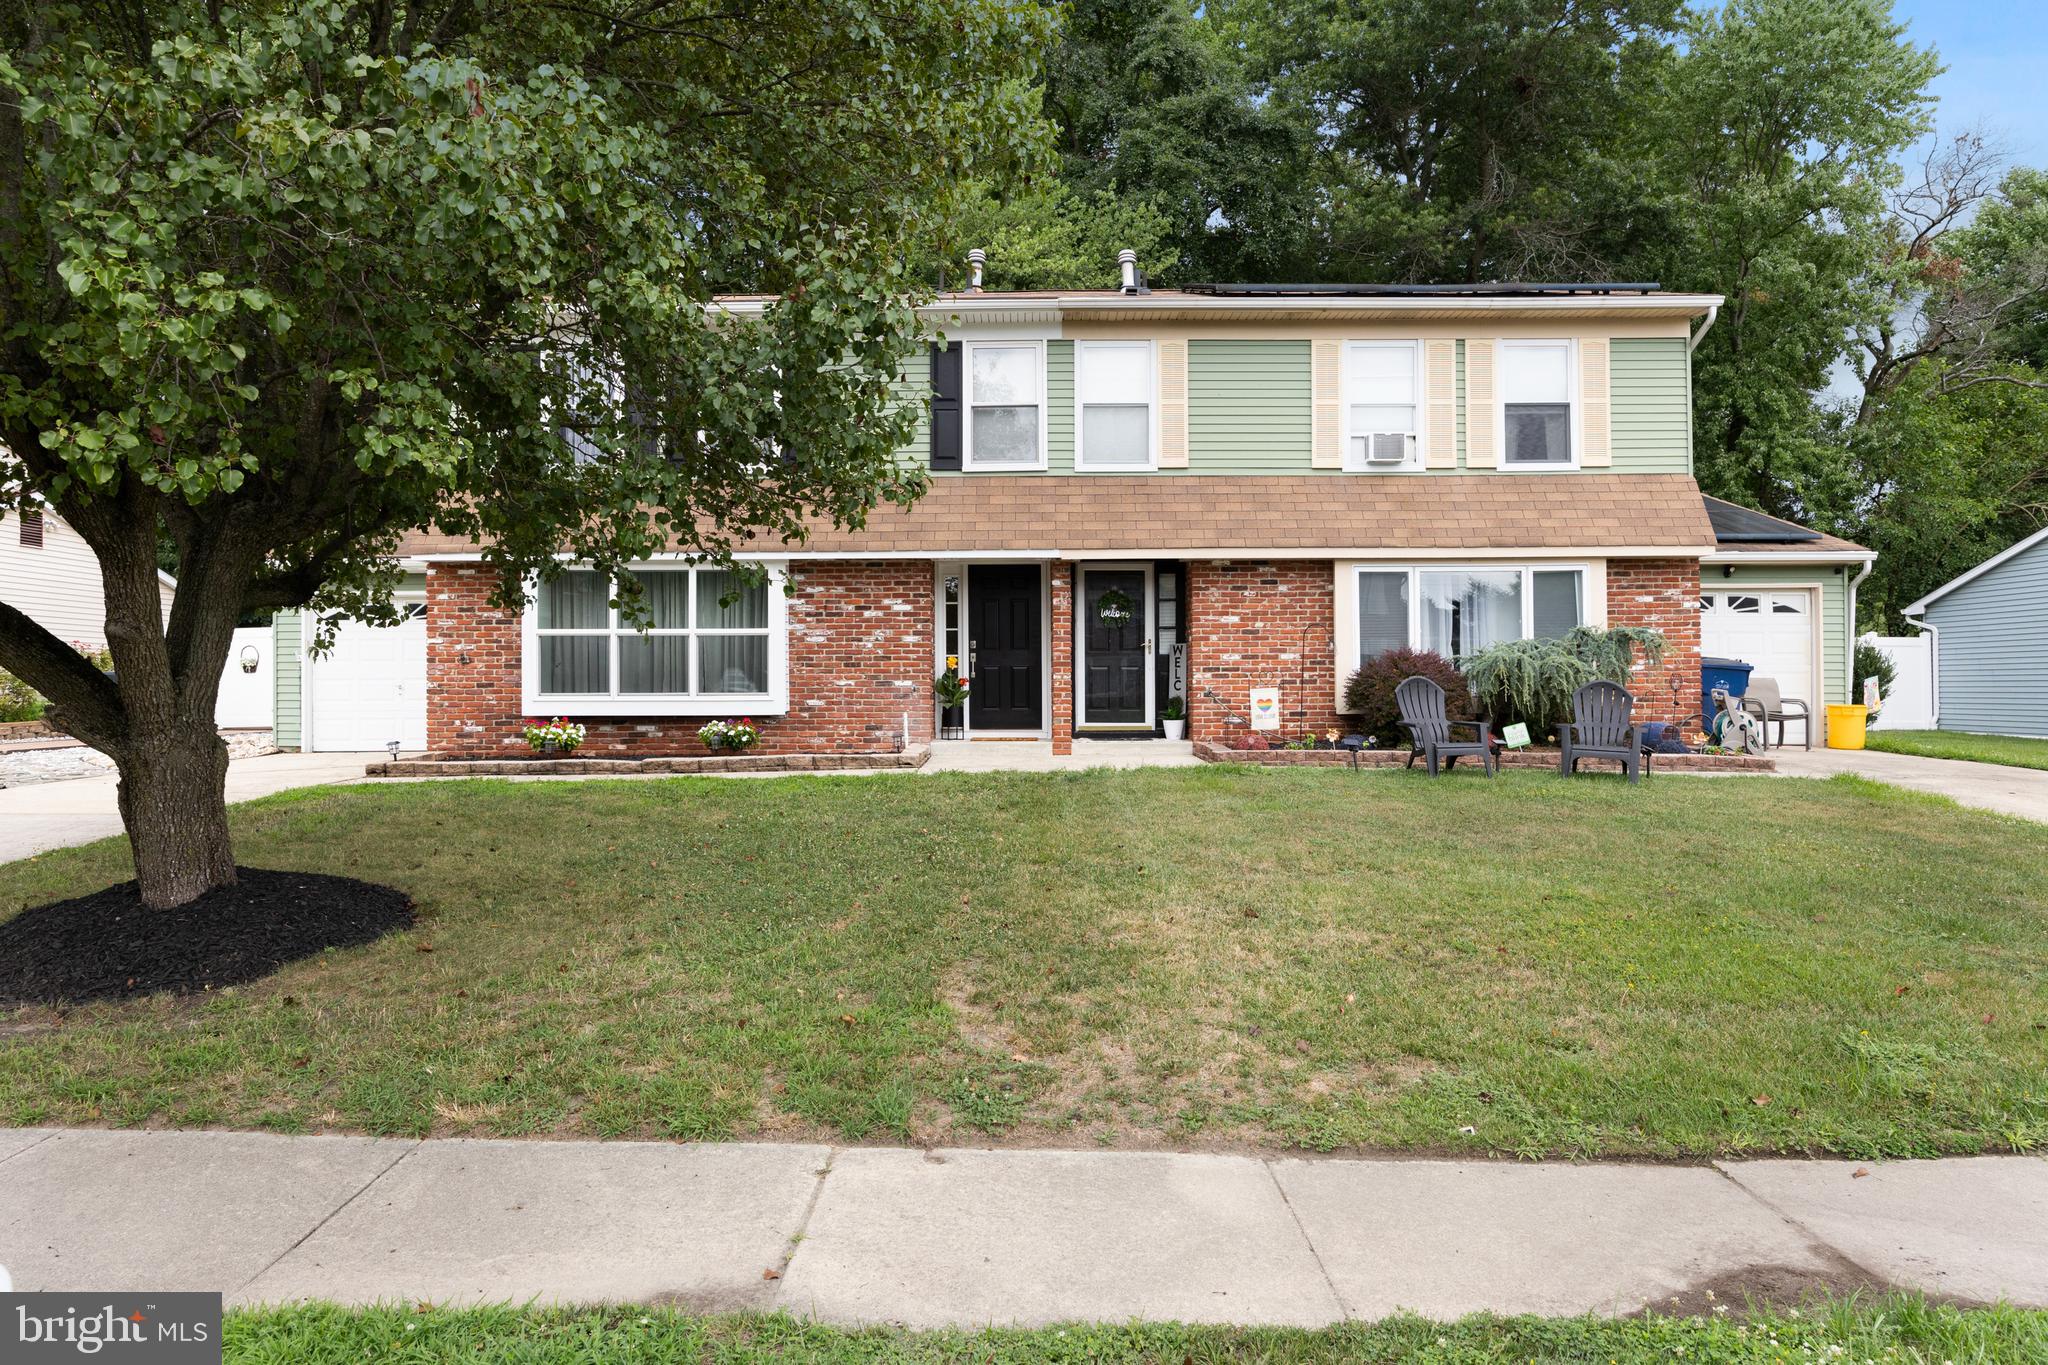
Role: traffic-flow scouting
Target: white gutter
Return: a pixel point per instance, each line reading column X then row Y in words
column 1933, row 661
column 1197, row 553
column 1167, row 302
column 1713, row 311
column 1759, row 557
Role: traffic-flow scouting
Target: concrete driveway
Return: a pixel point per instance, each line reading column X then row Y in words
column 49, row 815
column 1987, row 786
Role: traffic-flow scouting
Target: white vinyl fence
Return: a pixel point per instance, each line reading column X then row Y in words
column 245, row 694
column 1911, row 703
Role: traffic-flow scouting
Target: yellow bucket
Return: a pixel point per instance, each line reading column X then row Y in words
column 1845, row 726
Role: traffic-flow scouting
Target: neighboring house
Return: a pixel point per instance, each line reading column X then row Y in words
column 1140, row 495
column 48, row 572
column 1990, row 630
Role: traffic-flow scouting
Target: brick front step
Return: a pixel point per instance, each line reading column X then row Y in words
column 1539, row 758
column 431, row 766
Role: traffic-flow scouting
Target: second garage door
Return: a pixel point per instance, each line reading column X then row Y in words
column 371, row 688
column 1771, row 631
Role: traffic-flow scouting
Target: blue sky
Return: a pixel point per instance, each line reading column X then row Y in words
column 1996, row 52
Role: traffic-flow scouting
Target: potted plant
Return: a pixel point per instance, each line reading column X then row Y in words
column 729, row 736
column 950, row 689
column 1173, row 718
column 558, row 736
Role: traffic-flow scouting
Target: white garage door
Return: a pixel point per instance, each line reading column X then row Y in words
column 1772, row 631
column 372, row 687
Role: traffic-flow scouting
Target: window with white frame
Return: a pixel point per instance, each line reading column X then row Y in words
column 712, row 638
column 1456, row 612
column 1382, row 405
column 1113, row 381
column 1536, row 403
column 1005, row 405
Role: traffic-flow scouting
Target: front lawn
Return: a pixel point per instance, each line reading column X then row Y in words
column 1205, row 956
column 2007, row 749
column 1901, row 1328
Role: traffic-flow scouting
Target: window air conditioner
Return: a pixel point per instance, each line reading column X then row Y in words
column 1383, row 447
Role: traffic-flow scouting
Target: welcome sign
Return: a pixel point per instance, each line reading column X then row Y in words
column 163, row 1329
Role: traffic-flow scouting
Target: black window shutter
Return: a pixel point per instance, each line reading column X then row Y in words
column 945, row 406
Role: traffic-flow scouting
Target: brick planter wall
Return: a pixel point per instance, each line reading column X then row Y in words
column 860, row 657
column 1664, row 595
column 1256, row 624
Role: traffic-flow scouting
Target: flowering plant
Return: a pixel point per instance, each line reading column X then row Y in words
column 736, row 736
column 949, row 687
column 559, row 733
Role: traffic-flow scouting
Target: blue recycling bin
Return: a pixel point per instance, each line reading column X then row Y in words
column 1730, row 675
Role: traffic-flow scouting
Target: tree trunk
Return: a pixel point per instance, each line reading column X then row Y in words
column 174, row 802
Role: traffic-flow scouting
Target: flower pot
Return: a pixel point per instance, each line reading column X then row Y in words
column 1175, row 729
column 953, row 722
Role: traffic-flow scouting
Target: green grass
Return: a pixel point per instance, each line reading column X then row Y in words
column 1196, row 957
column 1900, row 1329
column 2009, row 750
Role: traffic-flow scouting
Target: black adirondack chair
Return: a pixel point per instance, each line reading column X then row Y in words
column 1601, row 728
column 1430, row 731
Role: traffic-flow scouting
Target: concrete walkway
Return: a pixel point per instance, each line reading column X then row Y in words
column 967, row 1237
column 47, row 815
column 1987, row 786
column 1036, row 755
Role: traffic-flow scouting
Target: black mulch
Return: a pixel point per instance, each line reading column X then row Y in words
column 109, row 946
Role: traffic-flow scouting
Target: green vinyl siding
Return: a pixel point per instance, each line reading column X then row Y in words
column 1248, row 407
column 1651, row 406
column 287, row 663
column 1059, row 407
column 915, row 386
column 1834, row 604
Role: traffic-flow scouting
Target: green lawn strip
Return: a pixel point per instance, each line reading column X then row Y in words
column 1205, row 956
column 1896, row 1329
column 2010, row 750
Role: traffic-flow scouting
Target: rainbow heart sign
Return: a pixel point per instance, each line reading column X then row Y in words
column 1265, row 708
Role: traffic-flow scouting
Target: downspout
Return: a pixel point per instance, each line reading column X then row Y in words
column 1933, row 665
column 1854, row 584
column 1693, row 342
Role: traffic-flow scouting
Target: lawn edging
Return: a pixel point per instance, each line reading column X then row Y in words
column 1211, row 752
column 434, row 765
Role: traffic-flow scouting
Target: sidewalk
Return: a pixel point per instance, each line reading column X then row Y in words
column 47, row 815
column 1986, row 786
column 966, row 1237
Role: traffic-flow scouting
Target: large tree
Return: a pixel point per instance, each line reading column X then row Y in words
column 281, row 280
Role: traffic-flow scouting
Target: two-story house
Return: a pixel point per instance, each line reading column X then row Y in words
column 1142, row 495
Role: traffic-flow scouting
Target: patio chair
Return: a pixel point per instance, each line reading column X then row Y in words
column 1421, row 703
column 1763, row 700
column 1601, row 728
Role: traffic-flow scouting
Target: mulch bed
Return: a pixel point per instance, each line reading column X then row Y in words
column 109, row 946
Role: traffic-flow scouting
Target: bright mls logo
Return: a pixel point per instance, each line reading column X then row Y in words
column 166, row 1329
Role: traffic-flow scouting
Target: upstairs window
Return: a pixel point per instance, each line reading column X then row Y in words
column 1114, row 381
column 1536, row 404
column 1382, row 383
column 1005, row 405
column 712, row 638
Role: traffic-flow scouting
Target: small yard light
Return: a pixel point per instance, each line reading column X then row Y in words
column 392, row 745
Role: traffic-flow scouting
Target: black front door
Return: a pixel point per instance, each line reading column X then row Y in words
column 1114, row 640
column 1005, row 642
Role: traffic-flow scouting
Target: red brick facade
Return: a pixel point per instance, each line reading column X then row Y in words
column 1663, row 595
column 860, row 660
column 1255, row 624
column 1063, row 658
column 861, row 656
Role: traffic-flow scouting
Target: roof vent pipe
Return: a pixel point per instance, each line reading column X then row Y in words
column 1127, row 260
column 976, row 259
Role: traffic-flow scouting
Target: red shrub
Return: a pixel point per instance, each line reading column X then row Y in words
column 1369, row 693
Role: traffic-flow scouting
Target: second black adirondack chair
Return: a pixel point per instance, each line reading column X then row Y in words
column 1430, row 731
column 1601, row 728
